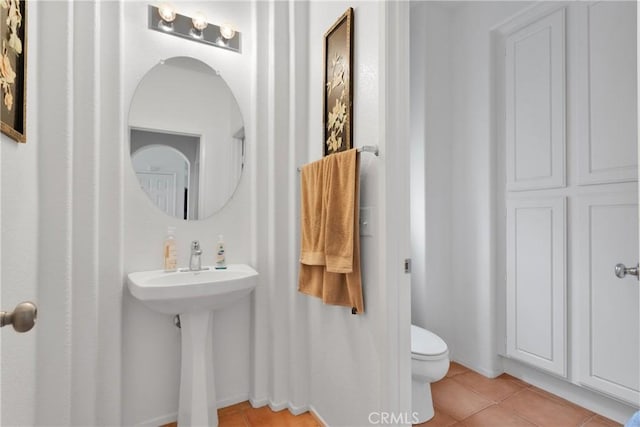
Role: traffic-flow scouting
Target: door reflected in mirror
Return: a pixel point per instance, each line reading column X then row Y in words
column 186, row 138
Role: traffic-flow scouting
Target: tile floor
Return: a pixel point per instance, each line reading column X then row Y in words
column 244, row 415
column 465, row 398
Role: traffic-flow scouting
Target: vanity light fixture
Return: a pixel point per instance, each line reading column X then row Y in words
column 227, row 31
column 226, row 34
column 199, row 22
column 167, row 14
column 164, row 19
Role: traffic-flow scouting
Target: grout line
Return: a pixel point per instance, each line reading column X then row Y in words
column 522, row 386
column 588, row 419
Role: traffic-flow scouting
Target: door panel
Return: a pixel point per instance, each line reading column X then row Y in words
column 161, row 189
column 607, row 231
column 535, row 105
column 536, row 282
column 608, row 151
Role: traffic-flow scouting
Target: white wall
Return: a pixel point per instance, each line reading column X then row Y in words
column 99, row 358
column 103, row 359
column 455, row 295
column 19, row 252
column 431, row 168
column 345, row 358
column 151, row 355
column 474, row 234
column 318, row 356
column 348, row 354
column 470, row 315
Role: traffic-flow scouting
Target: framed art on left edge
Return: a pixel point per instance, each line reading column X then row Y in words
column 13, row 69
column 338, row 85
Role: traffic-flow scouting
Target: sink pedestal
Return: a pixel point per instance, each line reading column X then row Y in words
column 195, row 295
column 197, row 405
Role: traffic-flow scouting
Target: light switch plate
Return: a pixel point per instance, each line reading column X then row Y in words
column 366, row 221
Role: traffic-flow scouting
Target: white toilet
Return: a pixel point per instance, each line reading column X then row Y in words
column 429, row 363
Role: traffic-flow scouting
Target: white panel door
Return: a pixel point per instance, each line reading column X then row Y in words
column 607, row 230
column 161, row 189
column 608, row 147
column 536, row 282
column 535, row 104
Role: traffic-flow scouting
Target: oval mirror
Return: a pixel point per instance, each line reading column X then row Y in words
column 186, row 137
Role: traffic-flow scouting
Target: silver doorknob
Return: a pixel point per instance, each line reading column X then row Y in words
column 23, row 317
column 622, row 271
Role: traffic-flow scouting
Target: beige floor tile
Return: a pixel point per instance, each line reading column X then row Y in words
column 265, row 417
column 440, row 419
column 545, row 411
column 496, row 416
column 456, row 369
column 456, row 400
column 233, row 419
column 238, row 407
column 506, row 376
column 496, row 389
column 600, row 421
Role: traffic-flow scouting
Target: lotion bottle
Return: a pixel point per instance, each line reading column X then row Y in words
column 170, row 251
column 221, row 262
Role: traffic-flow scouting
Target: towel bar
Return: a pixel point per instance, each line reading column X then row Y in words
column 365, row 148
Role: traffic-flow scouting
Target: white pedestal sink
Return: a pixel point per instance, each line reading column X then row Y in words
column 194, row 296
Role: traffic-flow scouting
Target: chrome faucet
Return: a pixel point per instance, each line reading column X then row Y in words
column 195, row 264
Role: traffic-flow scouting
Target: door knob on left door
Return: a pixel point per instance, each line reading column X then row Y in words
column 622, row 270
column 23, row 317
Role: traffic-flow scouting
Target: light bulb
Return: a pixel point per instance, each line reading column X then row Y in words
column 199, row 21
column 167, row 12
column 227, row 31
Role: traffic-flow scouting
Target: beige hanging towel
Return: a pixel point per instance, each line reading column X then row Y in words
column 312, row 214
column 330, row 243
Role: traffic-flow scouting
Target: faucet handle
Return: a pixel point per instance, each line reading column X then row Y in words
column 195, row 245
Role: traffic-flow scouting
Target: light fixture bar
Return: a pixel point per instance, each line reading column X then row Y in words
column 182, row 26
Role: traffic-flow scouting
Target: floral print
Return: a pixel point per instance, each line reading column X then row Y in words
column 338, row 115
column 10, row 42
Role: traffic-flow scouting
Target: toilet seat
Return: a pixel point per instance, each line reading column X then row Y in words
column 425, row 345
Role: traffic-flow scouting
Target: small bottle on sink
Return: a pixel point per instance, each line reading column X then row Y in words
column 221, row 262
column 170, row 252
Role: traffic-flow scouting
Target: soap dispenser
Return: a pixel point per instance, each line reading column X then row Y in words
column 221, row 262
column 170, row 252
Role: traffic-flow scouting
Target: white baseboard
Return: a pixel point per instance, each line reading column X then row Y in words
column 223, row 403
column 591, row 400
column 276, row 407
column 258, row 403
column 479, row 369
column 317, row 415
column 255, row 403
column 164, row 419
column 172, row 417
column 297, row 410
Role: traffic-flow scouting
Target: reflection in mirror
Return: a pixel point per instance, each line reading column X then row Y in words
column 186, row 138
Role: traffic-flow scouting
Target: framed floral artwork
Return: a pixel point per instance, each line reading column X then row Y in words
column 338, row 85
column 13, row 68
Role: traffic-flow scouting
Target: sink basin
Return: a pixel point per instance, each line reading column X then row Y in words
column 194, row 295
column 189, row 291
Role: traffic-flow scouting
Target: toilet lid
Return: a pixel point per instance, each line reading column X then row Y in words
column 426, row 342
